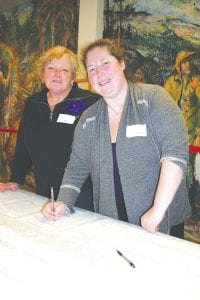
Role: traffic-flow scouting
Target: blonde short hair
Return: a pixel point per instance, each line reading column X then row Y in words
column 57, row 52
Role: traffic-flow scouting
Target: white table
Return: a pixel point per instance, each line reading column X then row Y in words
column 75, row 257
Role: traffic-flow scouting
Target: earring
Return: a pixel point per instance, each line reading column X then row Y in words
column 71, row 84
column 42, row 80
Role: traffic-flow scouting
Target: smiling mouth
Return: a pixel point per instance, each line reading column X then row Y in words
column 102, row 83
column 56, row 81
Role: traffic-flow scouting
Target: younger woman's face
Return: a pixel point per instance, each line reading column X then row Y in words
column 105, row 72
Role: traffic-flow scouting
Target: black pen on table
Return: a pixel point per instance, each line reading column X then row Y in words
column 126, row 259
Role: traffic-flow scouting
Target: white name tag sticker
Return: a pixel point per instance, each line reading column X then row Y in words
column 67, row 119
column 136, row 130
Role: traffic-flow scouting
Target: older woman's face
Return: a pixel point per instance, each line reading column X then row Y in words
column 105, row 72
column 58, row 75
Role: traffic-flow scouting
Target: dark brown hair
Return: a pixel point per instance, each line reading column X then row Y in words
column 109, row 44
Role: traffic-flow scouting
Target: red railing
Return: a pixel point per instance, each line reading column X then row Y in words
column 193, row 149
column 8, row 130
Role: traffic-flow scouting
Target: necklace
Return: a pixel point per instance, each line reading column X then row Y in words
column 117, row 113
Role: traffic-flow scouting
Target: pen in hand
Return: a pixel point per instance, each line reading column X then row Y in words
column 52, row 198
column 126, row 259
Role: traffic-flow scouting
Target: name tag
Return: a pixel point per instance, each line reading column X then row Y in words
column 67, row 119
column 136, row 130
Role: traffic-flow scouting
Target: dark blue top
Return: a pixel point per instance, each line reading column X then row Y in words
column 119, row 197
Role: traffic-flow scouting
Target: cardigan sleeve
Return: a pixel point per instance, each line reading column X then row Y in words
column 77, row 169
column 169, row 127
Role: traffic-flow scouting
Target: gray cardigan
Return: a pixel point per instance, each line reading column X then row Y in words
column 151, row 129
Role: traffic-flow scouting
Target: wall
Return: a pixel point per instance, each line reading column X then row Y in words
column 90, row 25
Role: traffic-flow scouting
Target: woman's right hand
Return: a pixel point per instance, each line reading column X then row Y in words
column 54, row 210
column 12, row 186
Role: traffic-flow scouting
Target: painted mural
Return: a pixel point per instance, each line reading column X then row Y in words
column 25, row 32
column 162, row 43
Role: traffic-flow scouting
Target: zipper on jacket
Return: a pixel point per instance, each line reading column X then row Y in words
column 51, row 115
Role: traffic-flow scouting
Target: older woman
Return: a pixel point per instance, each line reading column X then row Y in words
column 47, row 126
column 128, row 144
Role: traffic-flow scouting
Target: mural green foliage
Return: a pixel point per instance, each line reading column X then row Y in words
column 158, row 29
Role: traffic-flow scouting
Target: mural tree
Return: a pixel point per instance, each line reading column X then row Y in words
column 54, row 20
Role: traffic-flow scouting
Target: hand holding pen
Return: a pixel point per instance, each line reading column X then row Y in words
column 52, row 210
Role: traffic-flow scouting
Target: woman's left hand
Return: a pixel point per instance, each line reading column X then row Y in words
column 151, row 220
column 169, row 181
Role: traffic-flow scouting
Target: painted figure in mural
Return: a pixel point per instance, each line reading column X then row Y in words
column 128, row 144
column 47, row 126
column 142, row 69
column 148, row 72
column 184, row 87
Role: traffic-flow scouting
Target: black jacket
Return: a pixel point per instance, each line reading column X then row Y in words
column 45, row 144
